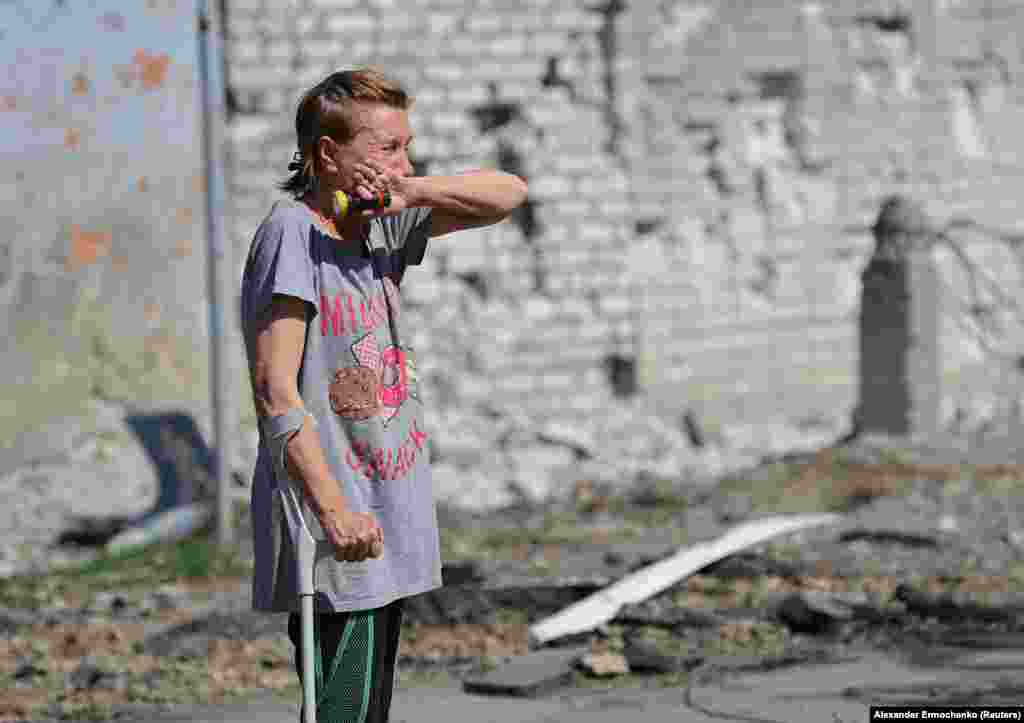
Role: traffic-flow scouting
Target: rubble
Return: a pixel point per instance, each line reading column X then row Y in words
column 602, row 606
column 813, row 612
column 528, row 675
column 644, row 656
column 831, row 585
column 946, row 608
column 604, row 664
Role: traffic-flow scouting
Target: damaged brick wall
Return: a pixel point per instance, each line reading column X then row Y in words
column 781, row 128
column 703, row 181
column 703, row 178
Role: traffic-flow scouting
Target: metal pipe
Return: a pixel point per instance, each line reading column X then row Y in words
column 218, row 278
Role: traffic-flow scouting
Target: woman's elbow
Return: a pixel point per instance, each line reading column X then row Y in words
column 275, row 396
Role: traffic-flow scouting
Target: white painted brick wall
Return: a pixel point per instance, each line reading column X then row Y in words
column 333, row 5
column 451, row 53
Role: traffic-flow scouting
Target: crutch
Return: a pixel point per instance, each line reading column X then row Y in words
column 307, row 551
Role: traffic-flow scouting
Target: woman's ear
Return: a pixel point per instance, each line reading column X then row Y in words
column 325, row 153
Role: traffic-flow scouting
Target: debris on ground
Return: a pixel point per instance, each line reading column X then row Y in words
column 176, row 628
column 604, row 664
column 529, row 675
column 603, row 605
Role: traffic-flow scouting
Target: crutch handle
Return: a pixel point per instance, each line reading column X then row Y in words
column 308, row 549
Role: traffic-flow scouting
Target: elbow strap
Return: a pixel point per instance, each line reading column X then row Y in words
column 278, row 431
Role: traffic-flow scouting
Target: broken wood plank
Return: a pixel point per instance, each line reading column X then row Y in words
column 602, row 606
column 529, row 675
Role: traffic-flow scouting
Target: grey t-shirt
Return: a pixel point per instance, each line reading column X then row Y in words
column 358, row 379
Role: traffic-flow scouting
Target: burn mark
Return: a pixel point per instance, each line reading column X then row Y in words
column 552, row 77
column 646, row 226
column 476, row 281
column 778, row 84
column 767, row 279
column 510, row 159
column 421, row 166
column 622, row 374
column 495, row 113
column 895, row 23
column 608, row 40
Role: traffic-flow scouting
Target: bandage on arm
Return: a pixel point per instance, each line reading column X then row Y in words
column 278, row 431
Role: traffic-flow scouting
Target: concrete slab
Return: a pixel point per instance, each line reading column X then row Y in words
column 844, row 691
column 451, row 703
column 806, row 693
column 529, row 675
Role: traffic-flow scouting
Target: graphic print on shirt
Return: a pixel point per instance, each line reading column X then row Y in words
column 376, row 379
column 384, row 378
column 393, row 369
column 354, row 393
column 342, row 315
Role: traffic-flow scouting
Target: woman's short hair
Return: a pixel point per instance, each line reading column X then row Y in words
column 326, row 110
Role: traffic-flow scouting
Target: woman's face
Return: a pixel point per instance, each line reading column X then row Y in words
column 380, row 132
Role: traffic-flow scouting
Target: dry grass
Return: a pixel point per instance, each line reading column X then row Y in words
column 831, row 481
column 465, row 640
column 232, row 668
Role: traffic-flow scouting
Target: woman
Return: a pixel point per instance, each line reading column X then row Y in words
column 334, row 381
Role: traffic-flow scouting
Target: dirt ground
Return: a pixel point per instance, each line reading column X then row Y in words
column 78, row 647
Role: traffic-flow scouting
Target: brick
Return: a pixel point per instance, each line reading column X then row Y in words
column 248, row 51
column 571, row 164
column 280, row 52
column 327, row 49
column 602, row 185
column 462, row 46
column 508, row 70
column 349, row 24
column 506, row 46
column 549, row 43
column 575, row 20
column 616, row 208
column 259, row 76
column 484, row 23
column 242, row 27
column 446, row 73
column 553, row 381
column 555, row 233
column 521, row 91
column 451, row 122
column 469, row 95
column 517, row 384
column 403, row 22
column 546, row 114
column 596, row 234
column 335, row 4
column 240, row 7
column 616, row 304
column 307, row 24
column 569, row 208
column 550, row 187
column 276, row 101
